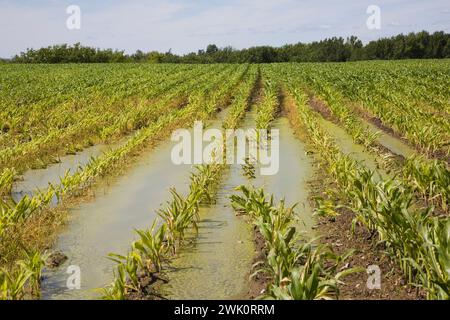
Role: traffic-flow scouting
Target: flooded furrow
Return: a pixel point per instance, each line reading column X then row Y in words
column 218, row 264
column 394, row 144
column 346, row 144
column 291, row 182
column 39, row 179
column 106, row 224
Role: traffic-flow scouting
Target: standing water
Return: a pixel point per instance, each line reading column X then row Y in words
column 39, row 179
column 346, row 144
column 107, row 223
column 292, row 180
column 393, row 144
column 217, row 266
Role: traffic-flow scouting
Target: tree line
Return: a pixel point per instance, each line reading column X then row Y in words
column 421, row 45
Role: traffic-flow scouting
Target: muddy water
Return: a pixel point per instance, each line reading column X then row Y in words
column 218, row 264
column 393, row 144
column 39, row 179
column 345, row 143
column 292, row 180
column 106, row 224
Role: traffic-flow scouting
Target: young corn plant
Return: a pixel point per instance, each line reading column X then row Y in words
column 6, row 181
column 313, row 280
column 152, row 246
column 156, row 245
column 180, row 214
column 248, row 168
column 298, row 270
column 412, row 236
column 24, row 280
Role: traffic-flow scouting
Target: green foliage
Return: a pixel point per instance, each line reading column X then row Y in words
column 24, row 280
column 416, row 239
column 421, row 45
column 299, row 270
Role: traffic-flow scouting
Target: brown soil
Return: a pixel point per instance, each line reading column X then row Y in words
column 149, row 287
column 260, row 281
column 320, row 107
column 256, row 95
column 337, row 233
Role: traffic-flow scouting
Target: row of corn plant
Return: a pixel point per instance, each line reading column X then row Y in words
column 429, row 178
column 415, row 238
column 109, row 118
column 298, row 270
column 11, row 216
column 242, row 99
column 101, row 165
column 268, row 106
column 35, row 102
column 199, row 190
column 385, row 90
column 24, row 281
column 157, row 245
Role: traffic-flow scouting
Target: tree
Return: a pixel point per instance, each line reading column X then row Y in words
column 211, row 49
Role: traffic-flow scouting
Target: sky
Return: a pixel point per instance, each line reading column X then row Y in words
column 185, row 26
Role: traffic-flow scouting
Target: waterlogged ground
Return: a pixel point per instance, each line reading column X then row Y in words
column 106, row 224
column 346, row 144
column 32, row 181
column 292, row 182
column 39, row 179
column 217, row 265
column 393, row 144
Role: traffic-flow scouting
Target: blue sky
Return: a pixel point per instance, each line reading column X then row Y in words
column 185, row 26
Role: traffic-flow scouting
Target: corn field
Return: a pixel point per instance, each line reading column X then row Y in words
column 49, row 112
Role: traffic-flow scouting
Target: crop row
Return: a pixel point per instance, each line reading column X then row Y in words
column 415, row 238
column 377, row 89
column 202, row 102
column 429, row 178
column 70, row 130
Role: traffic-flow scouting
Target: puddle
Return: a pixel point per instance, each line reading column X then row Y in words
column 291, row 181
column 218, row 265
